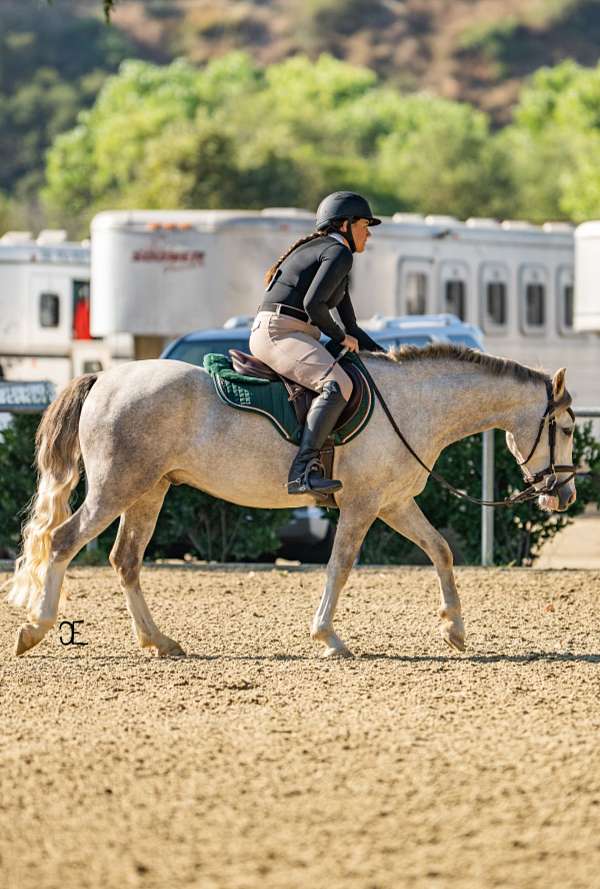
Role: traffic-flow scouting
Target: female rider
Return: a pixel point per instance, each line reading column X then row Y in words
column 309, row 280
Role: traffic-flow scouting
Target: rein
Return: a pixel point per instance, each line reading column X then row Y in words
column 547, row 475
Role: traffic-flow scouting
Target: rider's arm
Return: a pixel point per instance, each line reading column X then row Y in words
column 336, row 262
column 348, row 319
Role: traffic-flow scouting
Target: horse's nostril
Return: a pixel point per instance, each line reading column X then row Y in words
column 572, row 498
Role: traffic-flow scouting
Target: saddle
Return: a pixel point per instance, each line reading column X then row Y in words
column 299, row 396
column 245, row 383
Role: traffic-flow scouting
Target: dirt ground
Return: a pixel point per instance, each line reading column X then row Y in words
column 254, row 764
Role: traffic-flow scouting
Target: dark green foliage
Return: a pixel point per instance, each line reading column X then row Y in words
column 17, row 479
column 108, row 7
column 190, row 521
column 214, row 530
column 52, row 65
column 519, row 531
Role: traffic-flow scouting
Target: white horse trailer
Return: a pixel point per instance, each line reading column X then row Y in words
column 587, row 276
column 158, row 274
column 45, row 309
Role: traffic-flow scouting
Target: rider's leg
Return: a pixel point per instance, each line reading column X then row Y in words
column 306, row 472
column 293, row 349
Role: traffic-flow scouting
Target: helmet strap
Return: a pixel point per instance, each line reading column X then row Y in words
column 349, row 236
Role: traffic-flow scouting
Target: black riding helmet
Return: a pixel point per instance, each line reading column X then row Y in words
column 341, row 206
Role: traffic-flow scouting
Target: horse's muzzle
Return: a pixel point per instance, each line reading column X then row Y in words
column 559, row 500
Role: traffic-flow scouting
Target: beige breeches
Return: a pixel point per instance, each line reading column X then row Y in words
column 292, row 348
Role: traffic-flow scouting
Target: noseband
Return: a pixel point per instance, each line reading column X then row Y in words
column 547, row 476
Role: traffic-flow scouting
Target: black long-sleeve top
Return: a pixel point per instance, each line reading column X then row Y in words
column 314, row 277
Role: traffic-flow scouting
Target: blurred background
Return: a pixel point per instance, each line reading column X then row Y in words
column 438, row 111
column 472, row 108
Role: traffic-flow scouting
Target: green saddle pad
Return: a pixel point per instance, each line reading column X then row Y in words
column 271, row 400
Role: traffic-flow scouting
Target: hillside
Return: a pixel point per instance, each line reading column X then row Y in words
column 475, row 50
column 55, row 57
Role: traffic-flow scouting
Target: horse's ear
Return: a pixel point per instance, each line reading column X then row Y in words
column 558, row 384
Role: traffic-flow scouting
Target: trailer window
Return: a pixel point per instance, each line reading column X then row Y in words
column 416, row 293
column 535, row 305
column 49, row 310
column 455, row 298
column 567, row 306
column 496, row 302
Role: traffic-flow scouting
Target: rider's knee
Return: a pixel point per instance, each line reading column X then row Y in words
column 344, row 382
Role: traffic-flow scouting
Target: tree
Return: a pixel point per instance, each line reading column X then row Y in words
column 236, row 135
column 439, row 158
column 553, row 144
column 52, row 64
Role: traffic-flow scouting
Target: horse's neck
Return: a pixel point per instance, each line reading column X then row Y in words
column 452, row 399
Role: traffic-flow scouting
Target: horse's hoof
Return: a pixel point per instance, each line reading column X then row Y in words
column 171, row 649
column 340, row 651
column 334, row 647
column 453, row 638
column 27, row 637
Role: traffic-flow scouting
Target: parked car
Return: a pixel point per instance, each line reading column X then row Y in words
column 309, row 536
column 422, row 330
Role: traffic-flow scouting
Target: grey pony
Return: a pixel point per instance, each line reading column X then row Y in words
column 146, row 425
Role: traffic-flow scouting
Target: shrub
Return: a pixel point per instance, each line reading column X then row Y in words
column 190, row 521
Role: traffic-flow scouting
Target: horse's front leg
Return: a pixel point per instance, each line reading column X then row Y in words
column 353, row 524
column 408, row 520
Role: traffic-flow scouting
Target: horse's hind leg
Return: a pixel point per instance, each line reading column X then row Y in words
column 408, row 520
column 87, row 522
column 135, row 530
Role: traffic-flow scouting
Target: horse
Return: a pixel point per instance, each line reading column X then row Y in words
column 140, row 427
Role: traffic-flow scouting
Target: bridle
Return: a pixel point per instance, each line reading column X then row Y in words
column 547, row 477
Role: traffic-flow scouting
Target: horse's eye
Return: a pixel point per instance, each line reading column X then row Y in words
column 568, row 432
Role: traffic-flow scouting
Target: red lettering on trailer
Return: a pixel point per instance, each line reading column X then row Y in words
column 183, row 257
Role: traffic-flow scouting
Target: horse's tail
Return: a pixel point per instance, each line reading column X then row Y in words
column 57, row 453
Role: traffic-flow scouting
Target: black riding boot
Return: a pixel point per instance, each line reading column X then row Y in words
column 306, row 472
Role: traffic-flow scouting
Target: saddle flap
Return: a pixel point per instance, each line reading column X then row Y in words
column 354, row 402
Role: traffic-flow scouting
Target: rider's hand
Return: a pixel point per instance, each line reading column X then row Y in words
column 351, row 343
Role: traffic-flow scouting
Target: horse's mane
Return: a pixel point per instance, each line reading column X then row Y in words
column 498, row 367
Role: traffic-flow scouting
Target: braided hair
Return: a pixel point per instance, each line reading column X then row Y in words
column 321, row 233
